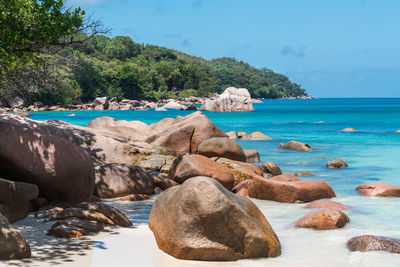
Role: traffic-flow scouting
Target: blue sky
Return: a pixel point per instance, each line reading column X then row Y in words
column 333, row 48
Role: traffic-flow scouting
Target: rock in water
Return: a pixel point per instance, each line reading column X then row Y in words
column 259, row 136
column 222, row 147
column 232, row 135
column 294, row 145
column 324, row 220
column 117, row 180
column 370, row 243
column 12, row 243
column 326, row 204
column 378, row 189
column 31, row 153
column 348, row 130
column 231, row 100
column 187, row 166
column 201, row 220
column 337, row 164
column 284, row 188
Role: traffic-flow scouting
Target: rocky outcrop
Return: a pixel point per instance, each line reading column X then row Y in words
column 190, row 107
column 243, row 136
column 270, row 168
column 378, row 189
column 337, row 164
column 294, row 145
column 326, row 204
column 201, row 220
column 187, row 166
column 324, row 220
column 231, row 100
column 100, row 103
column 34, row 154
column 221, row 147
column 184, row 134
column 117, row 180
column 15, row 199
column 366, row 243
column 284, row 188
column 12, row 243
column 252, row 156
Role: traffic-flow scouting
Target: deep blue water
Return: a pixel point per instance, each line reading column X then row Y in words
column 373, row 153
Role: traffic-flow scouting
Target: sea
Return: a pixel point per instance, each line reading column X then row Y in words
column 372, row 152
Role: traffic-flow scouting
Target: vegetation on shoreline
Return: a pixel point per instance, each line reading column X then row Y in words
column 77, row 65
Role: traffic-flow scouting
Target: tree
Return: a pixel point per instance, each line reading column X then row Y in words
column 32, row 32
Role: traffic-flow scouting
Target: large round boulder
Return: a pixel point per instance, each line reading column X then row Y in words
column 184, row 134
column 222, row 147
column 201, row 220
column 117, row 180
column 29, row 153
column 187, row 166
column 366, row 243
column 12, row 243
column 378, row 189
column 284, row 188
column 324, row 220
column 294, row 145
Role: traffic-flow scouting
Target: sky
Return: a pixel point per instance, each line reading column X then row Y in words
column 332, row 48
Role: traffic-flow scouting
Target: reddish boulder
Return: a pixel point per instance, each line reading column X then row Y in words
column 284, row 188
column 240, row 170
column 270, row 168
column 378, row 189
column 223, row 147
column 326, row 204
column 366, row 243
column 201, row 220
column 324, row 220
column 187, row 166
column 185, row 134
column 252, row 156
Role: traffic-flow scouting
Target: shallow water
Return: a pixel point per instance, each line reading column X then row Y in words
column 372, row 152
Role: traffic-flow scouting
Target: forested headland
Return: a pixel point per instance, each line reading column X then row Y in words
column 74, row 61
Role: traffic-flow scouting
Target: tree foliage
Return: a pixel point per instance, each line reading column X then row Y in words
column 52, row 54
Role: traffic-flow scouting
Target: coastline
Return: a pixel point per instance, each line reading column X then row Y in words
column 128, row 104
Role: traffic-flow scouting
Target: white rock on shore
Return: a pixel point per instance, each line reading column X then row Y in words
column 231, row 100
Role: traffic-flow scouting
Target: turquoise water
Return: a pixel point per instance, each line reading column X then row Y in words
column 373, row 153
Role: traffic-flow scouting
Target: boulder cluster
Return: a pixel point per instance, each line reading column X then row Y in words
column 203, row 177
